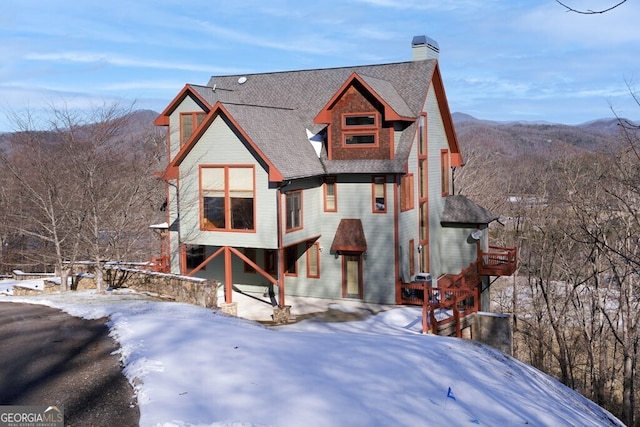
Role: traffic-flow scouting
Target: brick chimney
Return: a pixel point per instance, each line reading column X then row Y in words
column 424, row 47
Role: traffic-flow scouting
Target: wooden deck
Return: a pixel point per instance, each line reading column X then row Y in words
column 457, row 296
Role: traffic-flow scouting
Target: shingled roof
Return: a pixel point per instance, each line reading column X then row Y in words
column 276, row 109
column 460, row 210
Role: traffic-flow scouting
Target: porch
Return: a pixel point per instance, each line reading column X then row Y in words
column 446, row 306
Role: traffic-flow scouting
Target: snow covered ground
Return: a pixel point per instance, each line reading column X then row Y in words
column 192, row 366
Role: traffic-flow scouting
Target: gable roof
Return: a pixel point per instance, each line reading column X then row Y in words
column 275, row 110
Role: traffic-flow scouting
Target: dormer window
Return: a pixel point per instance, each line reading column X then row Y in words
column 368, row 120
column 360, row 129
column 189, row 122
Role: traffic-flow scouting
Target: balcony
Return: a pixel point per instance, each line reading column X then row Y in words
column 498, row 261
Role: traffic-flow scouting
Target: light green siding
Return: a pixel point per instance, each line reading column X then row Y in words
column 220, row 146
column 188, row 105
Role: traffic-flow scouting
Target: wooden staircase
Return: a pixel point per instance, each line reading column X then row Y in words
column 445, row 307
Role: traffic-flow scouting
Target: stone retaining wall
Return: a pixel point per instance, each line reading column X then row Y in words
column 191, row 290
column 21, row 275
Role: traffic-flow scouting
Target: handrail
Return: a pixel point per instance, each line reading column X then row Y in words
column 498, row 261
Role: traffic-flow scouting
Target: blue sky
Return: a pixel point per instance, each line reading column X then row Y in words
column 500, row 59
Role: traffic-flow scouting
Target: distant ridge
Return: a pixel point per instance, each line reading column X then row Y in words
column 609, row 125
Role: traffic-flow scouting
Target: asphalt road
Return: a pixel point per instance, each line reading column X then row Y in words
column 50, row 358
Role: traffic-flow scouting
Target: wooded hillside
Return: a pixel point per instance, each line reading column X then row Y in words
column 569, row 200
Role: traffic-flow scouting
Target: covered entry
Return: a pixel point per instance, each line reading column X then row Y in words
column 350, row 244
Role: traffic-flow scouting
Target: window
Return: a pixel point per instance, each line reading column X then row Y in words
column 359, row 139
column 424, row 222
column 444, row 172
column 195, row 254
column 313, row 261
column 360, row 129
column 294, row 210
column 422, row 136
column 189, row 122
column 406, row 192
column 251, row 254
column 330, row 200
column 379, row 191
column 271, row 261
column 368, row 120
column 422, row 179
column 227, row 198
column 412, row 255
column 291, row 260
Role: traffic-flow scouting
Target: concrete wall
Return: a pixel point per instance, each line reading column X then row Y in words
column 494, row 330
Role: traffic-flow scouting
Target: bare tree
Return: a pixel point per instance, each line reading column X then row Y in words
column 87, row 186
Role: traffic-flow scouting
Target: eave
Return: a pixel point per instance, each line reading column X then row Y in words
column 443, row 106
column 218, row 110
column 324, row 116
column 187, row 90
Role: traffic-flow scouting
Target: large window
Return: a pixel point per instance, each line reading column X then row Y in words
column 379, row 194
column 227, row 198
column 294, row 210
column 189, row 122
column 330, row 200
column 360, row 129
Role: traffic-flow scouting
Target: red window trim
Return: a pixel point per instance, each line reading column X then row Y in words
column 227, row 213
column 412, row 257
column 286, row 259
column 335, row 194
column 315, row 247
column 444, row 172
column 373, row 194
column 375, row 134
column 194, row 123
column 374, row 113
column 407, row 192
column 423, row 135
column 286, row 212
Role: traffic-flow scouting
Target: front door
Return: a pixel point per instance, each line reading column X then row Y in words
column 352, row 275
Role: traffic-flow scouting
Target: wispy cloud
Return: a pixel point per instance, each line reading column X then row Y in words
column 123, row 61
column 306, row 42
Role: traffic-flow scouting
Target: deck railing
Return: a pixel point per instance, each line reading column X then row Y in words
column 498, row 261
column 457, row 296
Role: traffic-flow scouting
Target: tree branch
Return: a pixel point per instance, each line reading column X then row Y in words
column 589, row 11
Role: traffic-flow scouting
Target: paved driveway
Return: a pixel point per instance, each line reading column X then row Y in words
column 50, row 358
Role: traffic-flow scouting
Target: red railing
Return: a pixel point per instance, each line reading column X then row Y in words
column 498, row 261
column 457, row 296
column 161, row 264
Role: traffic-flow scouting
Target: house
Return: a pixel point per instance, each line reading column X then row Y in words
column 331, row 183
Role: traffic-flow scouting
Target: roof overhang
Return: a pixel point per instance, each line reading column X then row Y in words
column 349, row 237
column 324, row 116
